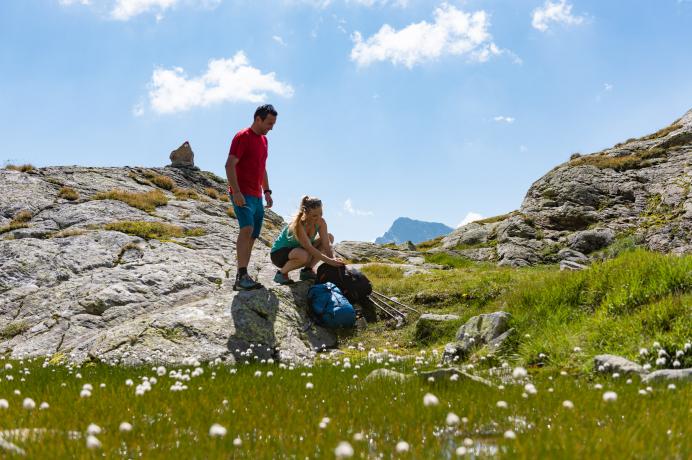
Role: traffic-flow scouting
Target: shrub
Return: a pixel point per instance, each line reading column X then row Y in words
column 19, row 221
column 22, row 168
column 13, row 329
column 68, row 193
column 185, row 194
column 153, row 230
column 146, row 201
column 635, row 160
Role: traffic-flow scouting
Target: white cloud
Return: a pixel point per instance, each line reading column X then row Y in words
column 226, row 80
column 124, row 10
column 348, row 207
column 279, row 40
column 453, row 32
column 470, row 217
column 367, row 3
column 559, row 12
column 607, row 87
column 503, row 119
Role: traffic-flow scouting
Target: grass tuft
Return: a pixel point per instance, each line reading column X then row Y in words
column 14, row 329
column 146, row 201
column 635, row 160
column 21, row 168
column 153, row 230
column 20, row 220
column 185, row 194
column 68, row 193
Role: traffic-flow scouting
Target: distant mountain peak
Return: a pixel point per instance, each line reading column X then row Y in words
column 406, row 229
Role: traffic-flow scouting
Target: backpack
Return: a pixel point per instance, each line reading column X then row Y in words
column 330, row 307
column 354, row 284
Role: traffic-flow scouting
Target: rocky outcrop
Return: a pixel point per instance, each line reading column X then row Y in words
column 77, row 281
column 639, row 189
column 616, row 364
column 491, row 329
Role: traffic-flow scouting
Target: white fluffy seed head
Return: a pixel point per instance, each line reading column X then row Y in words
column 610, row 396
column 461, row 451
column 343, row 450
column 567, row 404
column 430, row 400
column 217, row 431
column 237, row 442
column 93, row 429
column 509, row 434
column 125, row 427
column 519, row 373
column 309, row 386
column 4, row 404
column 92, row 442
column 402, row 446
column 29, row 404
column 502, row 404
column 452, row 419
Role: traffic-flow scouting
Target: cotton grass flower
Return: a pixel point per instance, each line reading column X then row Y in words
column 430, row 400
column 610, row 396
column 661, row 361
column 237, row 442
column 530, row 389
column 29, row 404
column 217, row 431
column 671, row 386
column 160, row 371
column 509, row 434
column 93, row 429
column 402, row 446
column 519, row 373
column 358, row 436
column 4, row 404
column 92, row 442
column 461, row 451
column 125, row 427
column 567, row 404
column 44, row 405
column 343, row 450
column 502, row 404
column 452, row 419
column 309, row 386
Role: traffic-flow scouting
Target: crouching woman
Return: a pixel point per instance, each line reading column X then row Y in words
column 303, row 242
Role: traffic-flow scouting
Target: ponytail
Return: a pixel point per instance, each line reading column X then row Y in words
column 306, row 203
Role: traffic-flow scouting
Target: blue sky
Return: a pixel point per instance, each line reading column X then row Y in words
column 387, row 108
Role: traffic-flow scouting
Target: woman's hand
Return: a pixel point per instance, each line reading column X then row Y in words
column 336, row 262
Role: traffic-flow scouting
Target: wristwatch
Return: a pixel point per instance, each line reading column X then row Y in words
column 268, row 191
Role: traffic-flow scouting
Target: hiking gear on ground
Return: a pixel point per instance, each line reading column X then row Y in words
column 330, row 307
column 354, row 284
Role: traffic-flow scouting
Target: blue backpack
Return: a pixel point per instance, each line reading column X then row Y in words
column 330, row 307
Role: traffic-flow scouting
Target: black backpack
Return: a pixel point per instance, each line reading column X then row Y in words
column 352, row 283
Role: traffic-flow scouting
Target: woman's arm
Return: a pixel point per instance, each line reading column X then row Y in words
column 325, row 244
column 312, row 250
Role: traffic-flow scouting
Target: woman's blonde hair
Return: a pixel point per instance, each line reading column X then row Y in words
column 306, row 204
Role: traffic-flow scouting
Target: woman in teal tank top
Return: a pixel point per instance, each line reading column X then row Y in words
column 303, row 242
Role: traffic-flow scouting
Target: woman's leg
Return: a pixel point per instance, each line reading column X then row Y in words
column 297, row 258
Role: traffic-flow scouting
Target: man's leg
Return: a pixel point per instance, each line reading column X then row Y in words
column 243, row 247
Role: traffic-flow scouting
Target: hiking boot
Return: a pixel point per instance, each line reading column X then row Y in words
column 307, row 274
column 282, row 279
column 245, row 283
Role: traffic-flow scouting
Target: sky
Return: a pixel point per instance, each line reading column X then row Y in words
column 437, row 111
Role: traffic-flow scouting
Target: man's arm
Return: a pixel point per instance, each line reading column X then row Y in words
column 232, row 179
column 265, row 187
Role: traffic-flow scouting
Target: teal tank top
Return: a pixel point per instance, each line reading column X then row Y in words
column 287, row 239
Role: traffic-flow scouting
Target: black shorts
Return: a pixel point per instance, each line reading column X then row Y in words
column 280, row 256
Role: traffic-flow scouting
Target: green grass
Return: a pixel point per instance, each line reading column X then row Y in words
column 278, row 417
column 12, row 329
column 636, row 160
column 153, row 230
column 146, row 201
column 616, row 306
column 447, row 260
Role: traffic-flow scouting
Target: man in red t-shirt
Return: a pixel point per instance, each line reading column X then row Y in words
column 247, row 182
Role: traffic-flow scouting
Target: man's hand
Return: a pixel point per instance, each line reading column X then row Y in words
column 238, row 199
column 270, row 201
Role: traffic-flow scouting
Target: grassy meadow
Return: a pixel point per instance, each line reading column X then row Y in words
column 544, row 401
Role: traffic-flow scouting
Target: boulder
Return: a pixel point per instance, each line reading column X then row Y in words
column 611, row 364
column 664, row 375
column 478, row 331
column 431, row 325
column 591, row 240
column 183, row 156
column 386, row 374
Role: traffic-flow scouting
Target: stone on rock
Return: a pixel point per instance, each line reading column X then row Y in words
column 183, row 156
column 591, row 240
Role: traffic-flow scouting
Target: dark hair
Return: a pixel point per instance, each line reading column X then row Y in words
column 264, row 110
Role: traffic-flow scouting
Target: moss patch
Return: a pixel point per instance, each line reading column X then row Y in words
column 153, row 230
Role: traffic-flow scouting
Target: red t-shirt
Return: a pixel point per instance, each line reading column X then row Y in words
column 251, row 150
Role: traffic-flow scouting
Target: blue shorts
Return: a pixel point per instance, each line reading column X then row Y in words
column 250, row 215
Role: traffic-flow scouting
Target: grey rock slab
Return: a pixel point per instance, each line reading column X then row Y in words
column 571, row 265
column 386, row 374
column 682, row 375
column 478, row 331
column 590, row 240
column 361, row 251
column 612, row 364
column 447, row 373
